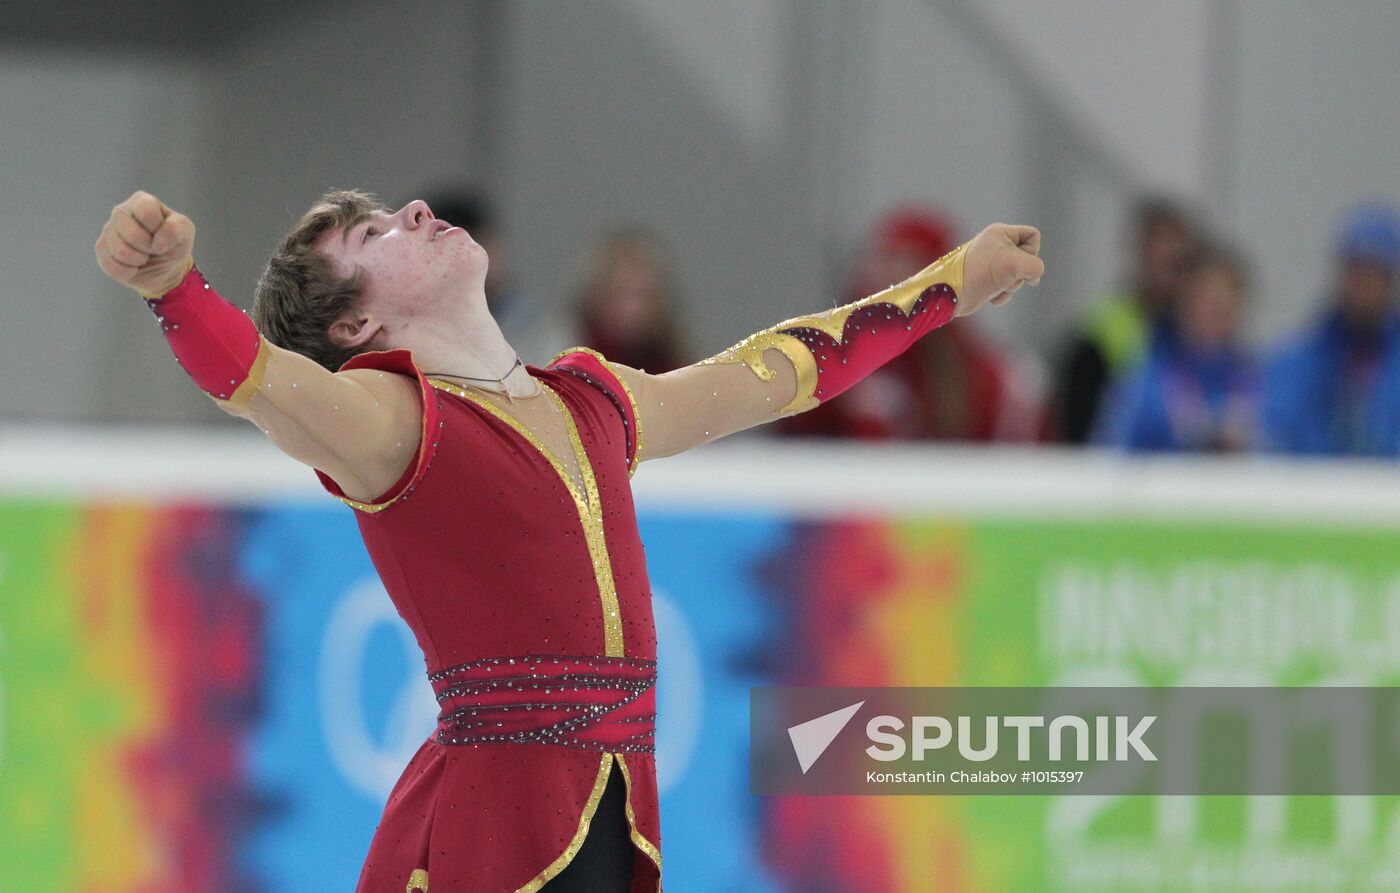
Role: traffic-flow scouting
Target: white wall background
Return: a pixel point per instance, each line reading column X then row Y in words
column 1135, row 74
column 78, row 134
column 1316, row 117
column 761, row 136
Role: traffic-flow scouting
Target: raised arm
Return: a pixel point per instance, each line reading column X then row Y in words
column 361, row 427
column 802, row 362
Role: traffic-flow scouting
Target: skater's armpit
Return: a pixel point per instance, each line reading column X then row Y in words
column 700, row 403
column 360, row 426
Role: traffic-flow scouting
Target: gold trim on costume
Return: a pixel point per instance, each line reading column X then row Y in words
column 243, row 394
column 636, row 411
column 526, row 433
column 597, row 546
column 576, row 844
column 587, row 503
column 638, row 838
column 750, row 353
column 418, row 881
column 946, row 270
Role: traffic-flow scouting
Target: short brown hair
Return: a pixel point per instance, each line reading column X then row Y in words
column 642, row 246
column 299, row 295
column 1154, row 213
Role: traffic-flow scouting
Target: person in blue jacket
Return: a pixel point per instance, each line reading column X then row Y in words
column 1334, row 389
column 1199, row 390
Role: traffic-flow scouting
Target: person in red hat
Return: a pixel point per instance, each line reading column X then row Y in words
column 494, row 499
column 957, row 386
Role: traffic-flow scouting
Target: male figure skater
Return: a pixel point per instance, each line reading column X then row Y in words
column 494, row 500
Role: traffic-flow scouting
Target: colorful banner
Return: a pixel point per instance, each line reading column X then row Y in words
column 199, row 698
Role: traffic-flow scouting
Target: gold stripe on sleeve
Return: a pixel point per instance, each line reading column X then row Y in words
column 243, row 394
column 946, row 270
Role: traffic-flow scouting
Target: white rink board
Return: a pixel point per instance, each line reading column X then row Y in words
column 751, row 472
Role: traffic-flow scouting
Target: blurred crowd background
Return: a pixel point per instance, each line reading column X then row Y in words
column 1159, row 361
column 657, row 180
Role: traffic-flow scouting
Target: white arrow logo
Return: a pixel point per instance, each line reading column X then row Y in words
column 811, row 738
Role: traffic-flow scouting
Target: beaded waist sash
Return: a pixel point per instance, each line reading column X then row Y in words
column 588, row 701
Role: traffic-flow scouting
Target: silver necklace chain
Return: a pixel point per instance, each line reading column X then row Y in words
column 501, row 381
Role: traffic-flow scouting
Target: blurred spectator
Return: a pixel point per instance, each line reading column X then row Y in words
column 1335, row 388
column 950, row 385
column 520, row 317
column 1198, row 391
column 627, row 306
column 1122, row 329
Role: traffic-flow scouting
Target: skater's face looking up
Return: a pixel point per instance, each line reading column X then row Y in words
column 416, row 267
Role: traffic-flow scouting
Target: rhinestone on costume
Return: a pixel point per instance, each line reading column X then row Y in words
column 619, row 717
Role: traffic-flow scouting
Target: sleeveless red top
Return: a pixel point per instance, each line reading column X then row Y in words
column 530, row 600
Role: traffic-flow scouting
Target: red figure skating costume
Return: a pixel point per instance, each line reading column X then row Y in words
column 541, row 637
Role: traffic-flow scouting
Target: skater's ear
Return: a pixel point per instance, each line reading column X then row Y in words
column 354, row 330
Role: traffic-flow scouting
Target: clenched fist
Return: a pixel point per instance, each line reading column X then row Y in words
column 1000, row 259
column 145, row 245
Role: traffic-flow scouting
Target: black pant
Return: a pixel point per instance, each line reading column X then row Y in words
column 604, row 863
